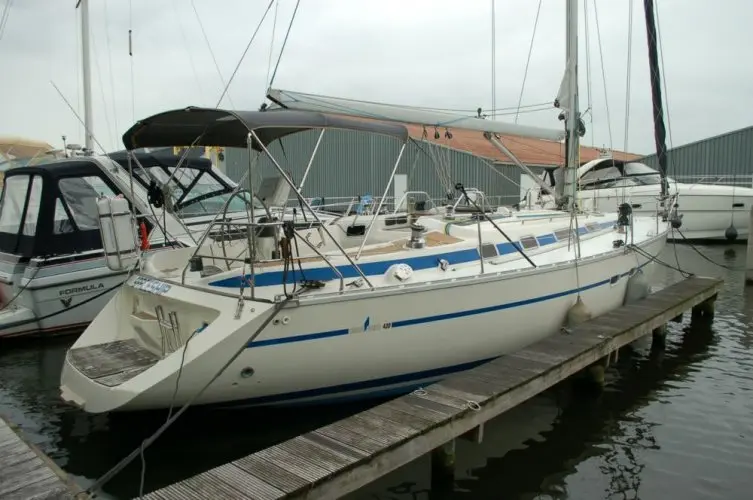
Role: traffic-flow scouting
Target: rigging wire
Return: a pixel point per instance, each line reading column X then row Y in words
column 4, row 17
column 111, row 134
column 627, row 86
column 339, row 108
column 222, row 96
column 589, row 84
column 169, row 239
column 512, row 109
column 603, row 76
column 211, row 52
column 494, row 60
column 130, row 58
column 528, row 60
column 272, row 43
column 243, row 56
column 106, row 25
column 189, row 52
column 77, row 69
column 628, row 75
column 660, row 49
column 284, row 42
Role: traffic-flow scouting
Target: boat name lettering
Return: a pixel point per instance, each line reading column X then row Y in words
column 150, row 285
column 81, row 289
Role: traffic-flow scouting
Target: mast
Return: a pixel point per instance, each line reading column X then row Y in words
column 660, row 133
column 566, row 178
column 88, row 119
column 573, row 115
column 494, row 65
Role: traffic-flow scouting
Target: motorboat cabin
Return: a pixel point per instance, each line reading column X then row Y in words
column 707, row 211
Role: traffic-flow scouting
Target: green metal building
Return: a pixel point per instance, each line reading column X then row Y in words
column 725, row 158
column 350, row 163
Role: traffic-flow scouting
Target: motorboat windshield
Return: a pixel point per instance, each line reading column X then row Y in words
column 614, row 174
column 196, row 188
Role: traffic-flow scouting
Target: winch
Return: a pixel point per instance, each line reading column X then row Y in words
column 417, row 236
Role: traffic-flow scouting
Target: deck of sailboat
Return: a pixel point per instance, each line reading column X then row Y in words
column 598, row 242
column 432, row 239
column 112, row 363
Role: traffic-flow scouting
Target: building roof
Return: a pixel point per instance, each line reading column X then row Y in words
column 534, row 152
column 21, row 147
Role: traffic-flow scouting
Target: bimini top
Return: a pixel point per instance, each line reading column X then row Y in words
column 218, row 127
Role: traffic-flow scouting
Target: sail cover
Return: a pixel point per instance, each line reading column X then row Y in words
column 409, row 115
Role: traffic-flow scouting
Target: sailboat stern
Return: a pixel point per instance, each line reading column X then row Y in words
column 147, row 336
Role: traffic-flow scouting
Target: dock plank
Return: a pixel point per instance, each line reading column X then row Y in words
column 346, row 455
column 26, row 473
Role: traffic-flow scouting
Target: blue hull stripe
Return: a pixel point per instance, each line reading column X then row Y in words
column 299, row 338
column 326, row 273
column 437, row 317
column 378, row 386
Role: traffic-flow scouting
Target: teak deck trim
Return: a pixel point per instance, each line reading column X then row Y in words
column 26, row 472
column 112, row 363
column 346, row 455
column 432, row 239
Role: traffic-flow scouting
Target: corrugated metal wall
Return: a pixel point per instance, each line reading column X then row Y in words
column 352, row 163
column 729, row 154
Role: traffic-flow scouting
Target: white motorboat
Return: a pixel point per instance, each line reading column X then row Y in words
column 53, row 273
column 311, row 315
column 708, row 211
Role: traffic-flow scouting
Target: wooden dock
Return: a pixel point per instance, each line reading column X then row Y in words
column 341, row 457
column 27, row 473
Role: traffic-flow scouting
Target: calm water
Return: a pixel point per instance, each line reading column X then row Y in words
column 673, row 424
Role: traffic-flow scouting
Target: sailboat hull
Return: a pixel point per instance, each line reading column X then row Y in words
column 370, row 345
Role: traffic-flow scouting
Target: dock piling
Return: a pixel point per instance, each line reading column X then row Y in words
column 597, row 374
column 443, row 466
column 659, row 337
column 704, row 311
column 475, row 435
column 749, row 258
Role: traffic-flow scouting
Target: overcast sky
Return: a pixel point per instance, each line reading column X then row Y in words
column 421, row 52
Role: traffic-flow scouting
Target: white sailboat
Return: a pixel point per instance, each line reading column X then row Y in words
column 290, row 316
